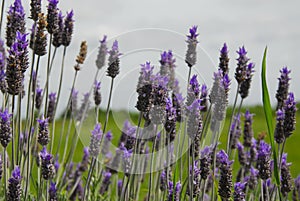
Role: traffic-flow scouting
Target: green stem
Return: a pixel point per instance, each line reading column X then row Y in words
column 13, row 133
column 108, row 105
column 231, row 119
column 86, row 192
column 48, row 74
column 19, row 129
column 151, row 164
column 1, row 19
column 5, row 170
column 30, row 126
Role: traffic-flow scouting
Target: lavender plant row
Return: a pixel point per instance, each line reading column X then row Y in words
column 171, row 153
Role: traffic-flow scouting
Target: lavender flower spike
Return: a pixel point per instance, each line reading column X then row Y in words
column 68, row 29
column 191, row 54
column 52, row 192
column 239, row 191
column 14, row 186
column 5, row 128
column 240, row 71
column 248, row 131
column 51, row 107
column 52, row 16
column 203, row 98
column 193, row 90
column 263, row 160
column 35, row 9
column 105, row 183
column 57, row 36
column 43, row 134
column 225, row 182
column 15, row 22
column 290, row 109
column 47, row 164
column 224, row 60
column 94, row 148
column 283, row 87
column 100, row 61
column 114, row 61
column 286, row 178
column 245, row 85
column 97, row 94
column 279, row 130
column 177, row 191
column 40, row 41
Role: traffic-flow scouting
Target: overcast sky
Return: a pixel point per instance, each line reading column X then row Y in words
column 146, row 28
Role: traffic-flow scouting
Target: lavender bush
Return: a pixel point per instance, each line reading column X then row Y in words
column 171, row 153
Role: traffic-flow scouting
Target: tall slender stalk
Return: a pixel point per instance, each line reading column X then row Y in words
column 58, row 94
column 5, row 172
column 108, row 105
column 13, row 133
column 1, row 18
column 86, row 192
column 48, row 74
column 19, row 156
column 151, row 166
column 31, row 124
column 231, row 119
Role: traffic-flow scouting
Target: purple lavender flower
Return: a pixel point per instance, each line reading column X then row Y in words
column 3, row 83
column 205, row 161
column 191, row 54
column 85, row 160
column 170, row 123
column 193, row 90
column 114, row 60
column 178, row 104
column 97, row 94
column 47, row 165
column 52, row 192
column 163, row 180
column 283, row 87
column 279, row 130
column 248, row 131
column 160, row 93
column 168, row 67
column 245, row 85
column 241, row 154
column 38, row 98
column 252, row 181
column 203, row 98
column 68, row 29
column 94, row 148
column 177, row 191
column 170, row 191
column 235, row 131
column 14, row 75
column 224, row 60
column 239, row 191
column 43, row 134
column 196, row 180
column 145, row 76
column 240, row 71
column 100, row 61
column 58, row 35
column 14, row 185
column 106, row 143
column 263, row 160
column 5, row 128
column 35, row 9
column 85, row 105
column 22, row 44
column 105, row 183
column 194, row 126
column 51, row 107
column 286, row 178
column 40, row 39
column 225, row 183
column 52, row 16
column 15, row 22
column 253, row 151
column 120, row 187
column 290, row 109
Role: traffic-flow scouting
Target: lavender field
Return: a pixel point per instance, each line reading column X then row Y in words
column 179, row 138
